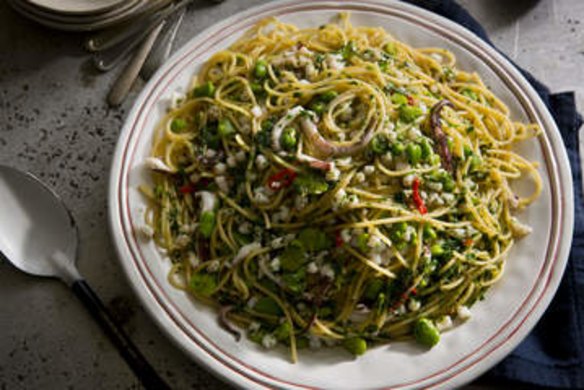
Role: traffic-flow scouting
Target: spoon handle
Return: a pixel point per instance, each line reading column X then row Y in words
column 137, row 362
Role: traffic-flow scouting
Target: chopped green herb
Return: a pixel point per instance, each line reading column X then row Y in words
column 204, row 90
column 203, row 284
column 225, row 128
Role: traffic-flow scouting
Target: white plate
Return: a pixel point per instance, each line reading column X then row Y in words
column 499, row 323
column 78, row 23
column 128, row 7
column 77, row 6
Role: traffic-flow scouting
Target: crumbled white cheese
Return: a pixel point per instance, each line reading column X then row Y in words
column 208, row 200
column 240, row 156
column 327, row 271
column 231, row 162
column 368, row 169
column 414, row 133
column 275, row 264
column 213, row 266
column 333, row 174
column 409, row 233
column 245, row 227
column 193, row 259
column 254, row 326
column 278, row 242
column 448, row 198
column 260, row 196
column 434, row 186
column 269, row 341
column 300, row 202
column 408, row 180
column 444, row 323
column 283, row 214
column 257, row 111
column 146, row 231
column 463, row 313
column 359, row 177
column 402, row 165
column 210, row 153
column 344, row 162
column 176, row 98
column 252, row 302
column 182, row 240
column 346, row 235
column 387, row 158
column 312, row 268
column 414, row 305
column 219, row 168
column 335, row 61
column 435, row 200
column 352, row 200
column 261, row 162
column 222, row 183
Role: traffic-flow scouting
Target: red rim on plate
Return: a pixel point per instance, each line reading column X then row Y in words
column 175, row 319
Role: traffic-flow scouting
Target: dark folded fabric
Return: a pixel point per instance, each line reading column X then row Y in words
column 552, row 355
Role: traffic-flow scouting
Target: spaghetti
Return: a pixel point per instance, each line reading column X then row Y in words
column 334, row 185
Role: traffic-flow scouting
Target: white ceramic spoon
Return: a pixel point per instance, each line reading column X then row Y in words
column 38, row 235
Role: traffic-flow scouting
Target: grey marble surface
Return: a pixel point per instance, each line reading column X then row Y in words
column 54, row 123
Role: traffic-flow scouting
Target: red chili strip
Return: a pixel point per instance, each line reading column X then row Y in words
column 418, row 201
column 282, row 179
column 411, row 100
column 339, row 240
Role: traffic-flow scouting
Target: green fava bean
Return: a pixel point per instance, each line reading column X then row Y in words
column 355, row 345
column 426, row 333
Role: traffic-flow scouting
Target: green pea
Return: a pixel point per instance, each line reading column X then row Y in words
column 289, row 138
column 427, row 151
column 207, row 223
column 177, row 125
column 261, row 69
column 429, row 233
column 397, row 148
column 448, row 184
column 409, row 114
column 414, row 153
column 225, row 128
column 328, row 96
column 426, row 333
column 355, row 345
column 435, row 159
column 373, row 289
column 282, row 332
column 390, row 48
column 318, row 107
column 379, row 144
column 204, row 90
column 257, row 88
column 437, row 250
column 398, row 98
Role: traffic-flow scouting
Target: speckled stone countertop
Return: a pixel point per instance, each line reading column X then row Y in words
column 54, row 122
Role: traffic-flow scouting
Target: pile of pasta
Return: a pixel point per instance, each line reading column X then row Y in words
column 334, row 186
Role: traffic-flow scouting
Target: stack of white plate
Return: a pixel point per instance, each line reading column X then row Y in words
column 79, row 15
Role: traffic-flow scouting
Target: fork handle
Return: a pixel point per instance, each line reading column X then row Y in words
column 131, row 354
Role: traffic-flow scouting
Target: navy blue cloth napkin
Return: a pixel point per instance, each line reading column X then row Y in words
column 552, row 355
